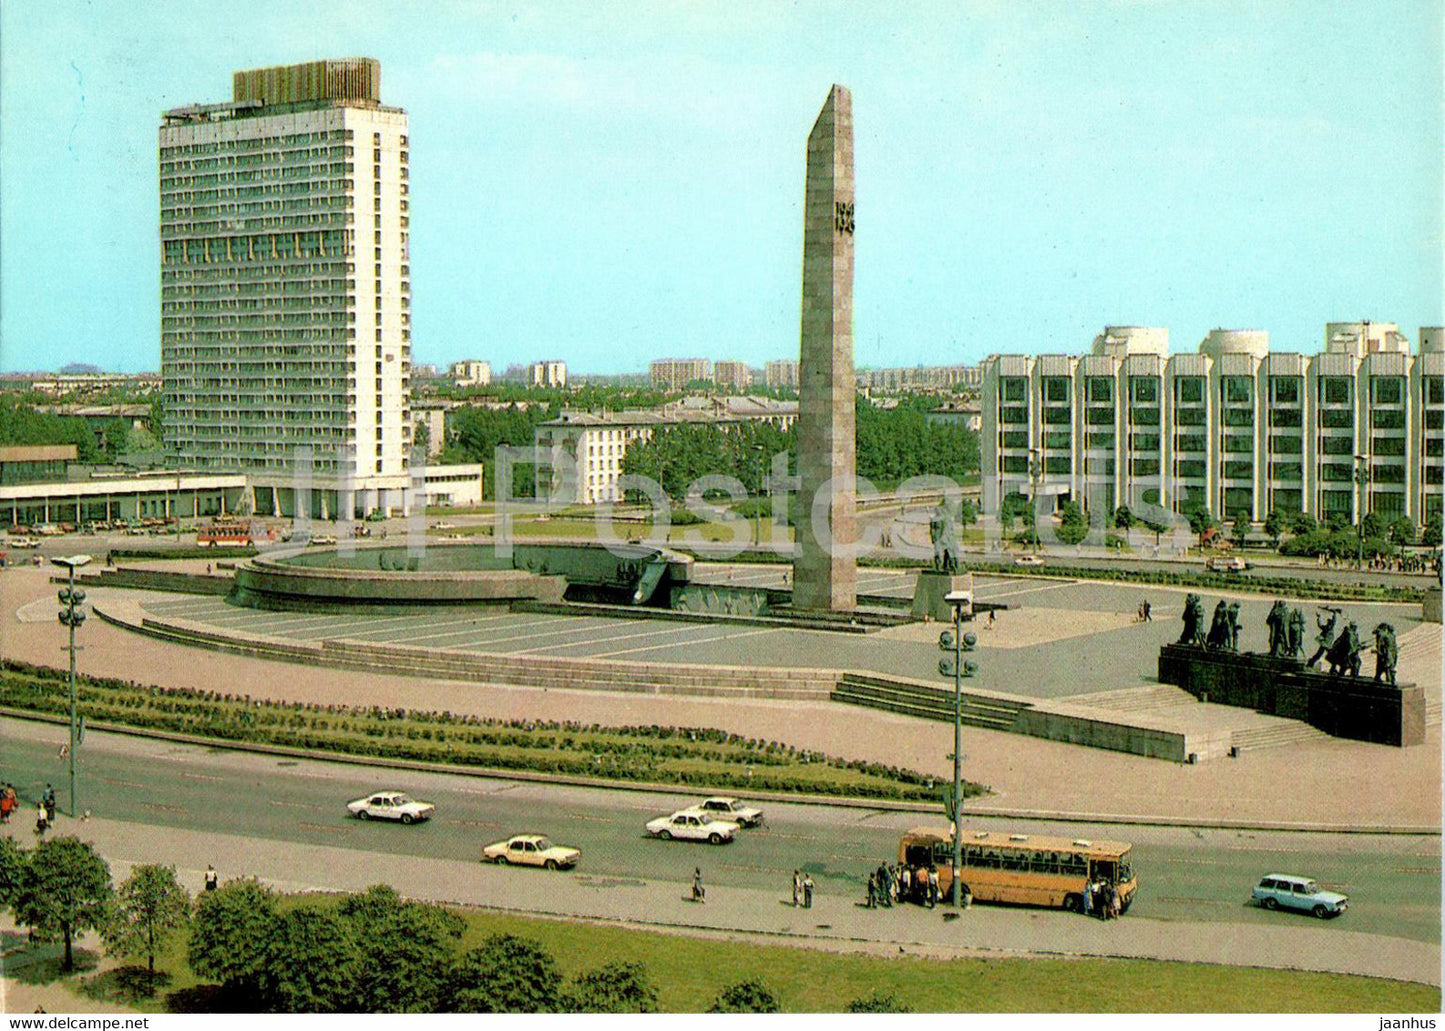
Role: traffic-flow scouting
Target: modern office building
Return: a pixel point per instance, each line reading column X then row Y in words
column 1356, row 428
column 676, row 373
column 584, row 450
column 285, row 288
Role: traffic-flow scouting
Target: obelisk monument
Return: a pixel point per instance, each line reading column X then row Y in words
column 823, row 577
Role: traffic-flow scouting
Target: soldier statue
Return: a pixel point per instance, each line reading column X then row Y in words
column 945, row 540
column 1219, row 627
column 1345, row 652
column 1295, row 648
column 1193, row 634
column 1387, row 654
column 1278, row 623
column 1325, row 637
column 1232, row 622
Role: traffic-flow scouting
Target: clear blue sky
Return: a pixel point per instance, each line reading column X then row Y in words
column 608, row 183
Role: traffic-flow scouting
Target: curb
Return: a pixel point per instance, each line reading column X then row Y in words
column 1038, row 815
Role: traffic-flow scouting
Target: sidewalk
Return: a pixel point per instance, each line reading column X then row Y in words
column 832, row 923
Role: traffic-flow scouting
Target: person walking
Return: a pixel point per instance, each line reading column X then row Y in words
column 807, row 891
column 905, row 884
column 1114, row 902
column 42, row 818
column 6, row 804
column 212, row 880
column 699, row 893
column 930, row 875
column 48, row 800
column 872, row 902
column 797, row 886
column 1088, row 903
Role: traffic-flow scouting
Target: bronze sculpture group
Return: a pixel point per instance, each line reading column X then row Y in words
column 945, row 540
column 1286, row 628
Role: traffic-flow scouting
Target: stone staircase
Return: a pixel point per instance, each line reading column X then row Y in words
column 1249, row 730
column 1420, row 661
column 910, row 698
column 1276, row 732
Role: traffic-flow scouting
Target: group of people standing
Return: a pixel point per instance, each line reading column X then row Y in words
column 802, row 889
column 889, row 884
column 1101, row 899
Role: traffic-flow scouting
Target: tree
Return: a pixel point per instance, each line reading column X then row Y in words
column 233, row 927
column 310, row 963
column 876, row 1003
column 746, row 997
column 505, row 974
column 1123, row 518
column 1200, row 523
column 1402, row 532
column 420, row 437
column 64, row 888
column 149, row 907
column 1430, row 537
column 1239, row 531
column 405, row 949
column 1302, row 522
column 1073, row 524
column 1373, row 525
column 613, row 988
column 1275, row 524
column 12, row 860
column 967, row 512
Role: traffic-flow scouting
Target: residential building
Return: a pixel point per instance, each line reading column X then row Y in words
column 677, row 373
column 550, row 373
column 286, row 288
column 781, row 374
column 1231, row 428
column 729, row 375
column 471, row 374
column 919, row 378
column 593, row 444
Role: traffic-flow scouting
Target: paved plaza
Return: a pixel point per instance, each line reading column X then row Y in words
column 1331, row 782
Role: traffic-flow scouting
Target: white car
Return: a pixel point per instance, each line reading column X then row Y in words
column 1226, row 564
column 390, row 805
column 1028, row 560
column 689, row 825
column 22, row 542
column 531, row 850
column 729, row 810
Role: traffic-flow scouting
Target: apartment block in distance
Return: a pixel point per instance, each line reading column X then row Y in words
column 676, row 373
column 285, row 288
column 1356, row 428
column 731, row 375
column 781, row 374
column 471, row 373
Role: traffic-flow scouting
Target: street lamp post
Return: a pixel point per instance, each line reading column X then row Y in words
column 1362, row 480
column 958, row 599
column 72, row 615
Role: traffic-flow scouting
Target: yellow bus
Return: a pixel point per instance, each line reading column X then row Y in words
column 1025, row 869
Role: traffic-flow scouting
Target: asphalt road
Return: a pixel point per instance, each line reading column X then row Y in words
column 1186, row 875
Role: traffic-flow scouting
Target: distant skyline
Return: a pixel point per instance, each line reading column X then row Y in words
column 609, row 183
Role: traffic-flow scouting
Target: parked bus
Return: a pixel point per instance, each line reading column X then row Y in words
column 224, row 535
column 1024, row 869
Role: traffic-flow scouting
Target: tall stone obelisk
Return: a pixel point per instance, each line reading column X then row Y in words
column 822, row 577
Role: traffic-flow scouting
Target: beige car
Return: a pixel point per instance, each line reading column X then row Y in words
column 531, row 850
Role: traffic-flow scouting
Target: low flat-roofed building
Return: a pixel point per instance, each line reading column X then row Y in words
column 35, row 463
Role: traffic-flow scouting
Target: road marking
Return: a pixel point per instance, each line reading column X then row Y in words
column 298, row 805
column 532, row 636
column 674, row 644
column 611, row 638
column 1032, row 590
column 327, row 827
column 123, row 783
column 200, row 776
column 163, row 808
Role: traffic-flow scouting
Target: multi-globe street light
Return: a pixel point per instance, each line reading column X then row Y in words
column 72, row 615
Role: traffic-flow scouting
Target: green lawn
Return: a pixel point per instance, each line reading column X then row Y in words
column 690, row 972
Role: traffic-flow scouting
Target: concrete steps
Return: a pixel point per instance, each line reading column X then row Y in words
column 1158, row 699
column 1275, row 734
column 912, row 699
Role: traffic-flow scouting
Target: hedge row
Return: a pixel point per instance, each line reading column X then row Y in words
column 190, row 551
column 678, row 755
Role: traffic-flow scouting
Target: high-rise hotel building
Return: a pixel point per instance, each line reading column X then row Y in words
column 285, row 288
column 1354, row 429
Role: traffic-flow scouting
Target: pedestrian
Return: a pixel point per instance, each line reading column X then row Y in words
column 1088, row 904
column 807, row 891
column 48, row 800
column 989, row 624
column 42, row 818
column 797, row 886
column 212, row 881
column 930, row 877
column 885, row 886
column 1114, row 902
column 905, row 884
column 1148, row 612
column 872, row 902
column 6, row 804
column 699, row 893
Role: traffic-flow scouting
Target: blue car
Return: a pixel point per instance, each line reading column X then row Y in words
column 1290, row 891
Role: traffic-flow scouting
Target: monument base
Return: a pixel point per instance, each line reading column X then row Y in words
column 931, row 590
column 1358, row 708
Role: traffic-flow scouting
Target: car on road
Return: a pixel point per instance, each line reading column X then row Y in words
column 531, row 850
column 729, row 810
column 391, row 805
column 1291, row 891
column 692, row 826
column 23, row 542
column 1028, row 560
column 1225, row 564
